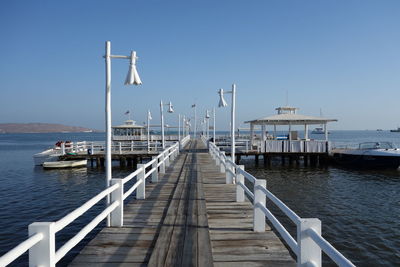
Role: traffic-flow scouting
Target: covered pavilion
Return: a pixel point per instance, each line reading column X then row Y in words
column 288, row 116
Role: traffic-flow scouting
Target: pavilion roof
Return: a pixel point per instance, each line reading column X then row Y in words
column 292, row 119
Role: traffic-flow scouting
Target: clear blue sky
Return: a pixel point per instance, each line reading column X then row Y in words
column 341, row 56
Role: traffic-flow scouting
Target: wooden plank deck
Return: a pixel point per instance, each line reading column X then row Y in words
column 189, row 218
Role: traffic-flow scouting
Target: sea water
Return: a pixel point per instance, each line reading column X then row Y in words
column 359, row 209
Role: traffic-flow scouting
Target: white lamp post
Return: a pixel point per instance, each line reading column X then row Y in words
column 148, row 129
column 170, row 110
column 214, row 125
column 208, row 124
column 131, row 79
column 222, row 103
column 195, row 120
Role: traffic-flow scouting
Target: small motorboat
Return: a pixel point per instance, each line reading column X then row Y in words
column 369, row 155
column 64, row 164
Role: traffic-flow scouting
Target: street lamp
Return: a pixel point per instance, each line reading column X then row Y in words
column 222, row 103
column 195, row 121
column 214, row 125
column 207, row 124
column 148, row 129
column 170, row 110
column 131, row 79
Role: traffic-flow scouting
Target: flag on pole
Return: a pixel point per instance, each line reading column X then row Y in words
column 194, row 105
column 127, row 112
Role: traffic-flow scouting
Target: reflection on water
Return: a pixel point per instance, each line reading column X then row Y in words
column 359, row 209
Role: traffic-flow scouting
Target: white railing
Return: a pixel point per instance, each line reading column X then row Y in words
column 41, row 241
column 309, row 242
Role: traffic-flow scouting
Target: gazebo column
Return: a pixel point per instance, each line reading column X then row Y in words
column 263, row 138
column 326, row 131
column 290, row 130
column 305, row 131
column 275, row 131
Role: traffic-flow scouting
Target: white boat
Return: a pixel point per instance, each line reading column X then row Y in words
column 318, row 130
column 369, row 155
column 64, row 164
column 51, row 154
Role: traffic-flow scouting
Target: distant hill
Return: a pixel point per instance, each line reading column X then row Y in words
column 40, row 128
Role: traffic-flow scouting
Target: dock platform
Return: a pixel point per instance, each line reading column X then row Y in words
column 189, row 218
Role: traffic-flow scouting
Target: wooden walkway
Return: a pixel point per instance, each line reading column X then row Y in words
column 189, row 218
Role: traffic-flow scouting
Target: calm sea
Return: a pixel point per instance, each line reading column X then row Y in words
column 359, row 210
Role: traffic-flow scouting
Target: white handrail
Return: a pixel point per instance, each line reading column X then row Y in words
column 248, row 191
column 85, row 230
column 133, row 188
column 20, row 249
column 322, row 243
column 63, row 222
column 36, row 238
column 326, row 247
column 280, row 228
column 285, row 209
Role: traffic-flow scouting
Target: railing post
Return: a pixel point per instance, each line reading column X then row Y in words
column 120, row 147
column 117, row 215
column 222, row 162
column 309, row 251
column 91, row 149
column 259, row 199
column 239, row 189
column 162, row 166
column 154, row 175
column 229, row 167
column 132, row 145
column 216, row 157
column 166, row 157
column 44, row 252
column 141, row 190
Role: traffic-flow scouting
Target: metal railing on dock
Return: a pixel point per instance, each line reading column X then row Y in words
column 309, row 242
column 41, row 241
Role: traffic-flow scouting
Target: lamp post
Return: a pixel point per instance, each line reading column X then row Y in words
column 195, row 121
column 222, row 103
column 131, row 79
column 148, row 129
column 208, row 124
column 214, row 125
column 170, row 110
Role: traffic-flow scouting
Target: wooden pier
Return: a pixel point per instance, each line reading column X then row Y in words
column 189, row 218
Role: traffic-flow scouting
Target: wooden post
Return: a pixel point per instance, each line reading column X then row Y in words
column 259, row 199
column 308, row 251
column 239, row 189
column 117, row 215
column 141, row 190
column 222, row 162
column 162, row 166
column 154, row 175
column 44, row 252
column 228, row 174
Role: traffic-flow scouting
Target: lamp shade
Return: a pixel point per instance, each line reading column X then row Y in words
column 170, row 108
column 133, row 77
column 149, row 115
column 222, row 102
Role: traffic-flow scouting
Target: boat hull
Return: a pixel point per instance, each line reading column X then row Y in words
column 65, row 164
column 367, row 161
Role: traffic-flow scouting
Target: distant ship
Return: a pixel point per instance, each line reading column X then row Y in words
column 396, row 130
